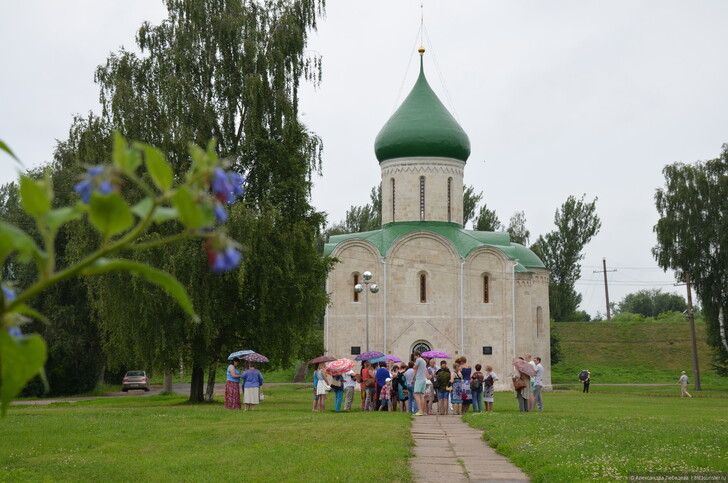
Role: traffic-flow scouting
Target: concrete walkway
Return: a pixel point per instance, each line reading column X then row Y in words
column 447, row 449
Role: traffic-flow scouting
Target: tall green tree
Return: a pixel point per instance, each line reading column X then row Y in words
column 692, row 236
column 470, row 202
column 561, row 251
column 229, row 70
column 517, row 228
column 487, row 220
column 652, row 302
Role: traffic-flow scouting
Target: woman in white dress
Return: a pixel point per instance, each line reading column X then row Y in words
column 489, row 380
column 323, row 387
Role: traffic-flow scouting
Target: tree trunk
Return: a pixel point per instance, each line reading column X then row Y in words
column 211, row 382
column 197, row 384
column 167, row 381
column 721, row 326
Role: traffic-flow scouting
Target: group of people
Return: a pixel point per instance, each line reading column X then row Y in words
column 528, row 389
column 415, row 387
column 252, row 381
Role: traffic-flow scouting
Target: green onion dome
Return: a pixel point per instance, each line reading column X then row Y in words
column 422, row 127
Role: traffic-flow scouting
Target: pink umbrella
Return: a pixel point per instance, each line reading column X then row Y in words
column 524, row 367
column 436, row 355
column 339, row 366
column 393, row 358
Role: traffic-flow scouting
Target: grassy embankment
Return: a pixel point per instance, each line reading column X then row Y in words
column 632, row 352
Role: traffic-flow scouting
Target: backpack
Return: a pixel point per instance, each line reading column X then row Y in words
column 489, row 381
column 475, row 384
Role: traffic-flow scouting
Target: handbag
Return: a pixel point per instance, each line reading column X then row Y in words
column 518, row 384
column 336, row 383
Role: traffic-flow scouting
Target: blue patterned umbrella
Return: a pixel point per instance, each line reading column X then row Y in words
column 238, row 354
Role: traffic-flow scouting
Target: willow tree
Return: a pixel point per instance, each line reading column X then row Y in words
column 228, row 70
column 692, row 237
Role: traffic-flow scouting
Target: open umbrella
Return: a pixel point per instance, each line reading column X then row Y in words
column 524, row 367
column 255, row 357
column 393, row 358
column 378, row 360
column 238, row 354
column 339, row 366
column 318, row 359
column 436, row 355
column 368, row 356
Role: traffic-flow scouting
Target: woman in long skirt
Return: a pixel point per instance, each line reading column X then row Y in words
column 253, row 380
column 456, row 395
column 232, row 386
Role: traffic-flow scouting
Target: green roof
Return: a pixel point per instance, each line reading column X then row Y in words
column 464, row 241
column 422, row 127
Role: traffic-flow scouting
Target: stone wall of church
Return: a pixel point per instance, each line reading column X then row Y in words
column 401, row 189
column 398, row 319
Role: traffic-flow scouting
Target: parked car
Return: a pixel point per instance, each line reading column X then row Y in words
column 135, row 380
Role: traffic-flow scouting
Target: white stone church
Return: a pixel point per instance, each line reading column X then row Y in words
column 441, row 287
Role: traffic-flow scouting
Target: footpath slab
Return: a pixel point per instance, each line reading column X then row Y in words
column 447, row 449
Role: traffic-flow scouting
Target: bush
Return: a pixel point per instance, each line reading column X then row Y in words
column 628, row 317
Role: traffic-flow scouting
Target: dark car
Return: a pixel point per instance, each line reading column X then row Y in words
column 135, row 380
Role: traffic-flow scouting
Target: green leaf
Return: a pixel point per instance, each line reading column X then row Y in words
column 34, row 196
column 161, row 213
column 25, row 310
column 158, row 277
column 21, row 359
column 6, row 148
column 190, row 213
column 126, row 159
column 159, row 169
column 109, row 214
column 58, row 217
column 13, row 239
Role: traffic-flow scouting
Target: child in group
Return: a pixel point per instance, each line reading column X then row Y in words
column 429, row 396
column 385, row 395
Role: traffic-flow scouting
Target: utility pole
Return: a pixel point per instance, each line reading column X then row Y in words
column 691, row 318
column 606, row 285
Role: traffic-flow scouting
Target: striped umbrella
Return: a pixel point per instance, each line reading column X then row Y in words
column 255, row 357
column 339, row 366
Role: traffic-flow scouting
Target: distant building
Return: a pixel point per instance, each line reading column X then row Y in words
column 441, row 287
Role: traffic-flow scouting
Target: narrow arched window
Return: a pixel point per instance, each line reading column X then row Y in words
column 449, row 199
column 356, row 281
column 393, row 200
column 486, row 289
column 422, row 198
column 423, row 288
column 539, row 321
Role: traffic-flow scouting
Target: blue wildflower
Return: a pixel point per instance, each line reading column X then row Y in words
column 94, row 180
column 220, row 213
column 227, row 186
column 225, row 260
column 9, row 294
column 15, row 332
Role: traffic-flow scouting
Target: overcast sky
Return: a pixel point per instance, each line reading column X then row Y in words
column 559, row 98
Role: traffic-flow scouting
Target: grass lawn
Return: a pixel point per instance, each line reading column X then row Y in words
column 606, row 435
column 601, row 436
column 161, row 438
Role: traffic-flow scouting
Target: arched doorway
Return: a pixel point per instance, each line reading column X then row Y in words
column 420, row 346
